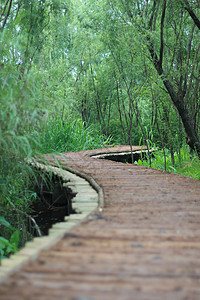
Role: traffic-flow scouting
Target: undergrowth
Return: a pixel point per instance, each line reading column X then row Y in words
column 185, row 163
column 19, row 140
column 15, row 180
column 59, row 135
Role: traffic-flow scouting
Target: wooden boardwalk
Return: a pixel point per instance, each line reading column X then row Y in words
column 144, row 244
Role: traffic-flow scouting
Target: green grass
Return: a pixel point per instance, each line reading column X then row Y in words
column 17, row 178
column 8, row 246
column 188, row 165
column 59, row 136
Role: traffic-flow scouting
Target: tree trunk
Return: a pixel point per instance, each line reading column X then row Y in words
column 192, row 138
column 178, row 101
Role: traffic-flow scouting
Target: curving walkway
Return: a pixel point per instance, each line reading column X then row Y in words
column 143, row 244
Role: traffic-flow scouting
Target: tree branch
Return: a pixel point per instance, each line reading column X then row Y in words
column 152, row 15
column 4, row 9
column 188, row 60
column 191, row 13
column 7, row 15
column 192, row 74
column 161, row 34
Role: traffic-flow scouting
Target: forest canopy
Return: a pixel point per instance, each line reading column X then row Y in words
column 129, row 68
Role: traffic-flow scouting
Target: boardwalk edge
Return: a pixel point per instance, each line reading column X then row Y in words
column 89, row 198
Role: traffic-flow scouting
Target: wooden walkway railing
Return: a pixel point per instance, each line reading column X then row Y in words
column 141, row 242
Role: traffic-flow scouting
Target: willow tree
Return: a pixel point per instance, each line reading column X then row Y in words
column 25, row 30
column 169, row 30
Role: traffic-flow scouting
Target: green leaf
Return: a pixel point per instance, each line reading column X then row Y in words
column 4, row 242
column 5, row 223
column 14, row 240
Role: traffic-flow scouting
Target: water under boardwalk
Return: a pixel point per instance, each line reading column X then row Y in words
column 53, row 204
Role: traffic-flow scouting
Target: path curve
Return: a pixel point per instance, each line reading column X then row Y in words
column 144, row 244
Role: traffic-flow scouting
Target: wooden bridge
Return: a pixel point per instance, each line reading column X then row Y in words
column 141, row 239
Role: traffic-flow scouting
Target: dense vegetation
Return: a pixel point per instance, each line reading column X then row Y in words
column 77, row 74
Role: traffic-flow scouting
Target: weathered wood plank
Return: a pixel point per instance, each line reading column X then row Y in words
column 144, row 244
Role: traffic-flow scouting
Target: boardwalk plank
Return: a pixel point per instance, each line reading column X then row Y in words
column 145, row 244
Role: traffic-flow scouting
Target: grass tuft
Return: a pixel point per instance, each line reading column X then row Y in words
column 59, row 135
column 185, row 164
